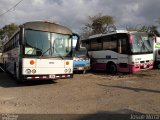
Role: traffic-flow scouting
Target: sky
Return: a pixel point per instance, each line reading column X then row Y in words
column 74, row 13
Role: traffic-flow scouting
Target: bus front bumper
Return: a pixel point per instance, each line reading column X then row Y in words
column 47, row 77
column 81, row 68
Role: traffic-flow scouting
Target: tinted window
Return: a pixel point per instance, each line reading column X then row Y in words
column 123, row 43
column 109, row 42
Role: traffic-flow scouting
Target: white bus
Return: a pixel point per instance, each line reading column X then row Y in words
column 39, row 50
column 120, row 51
column 156, row 51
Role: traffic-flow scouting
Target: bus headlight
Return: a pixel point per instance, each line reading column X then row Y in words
column 69, row 70
column 65, row 70
column 33, row 71
column 28, row 71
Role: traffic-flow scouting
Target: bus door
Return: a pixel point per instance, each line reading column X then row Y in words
column 123, row 58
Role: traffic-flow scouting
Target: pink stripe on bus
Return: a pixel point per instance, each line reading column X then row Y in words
column 130, row 68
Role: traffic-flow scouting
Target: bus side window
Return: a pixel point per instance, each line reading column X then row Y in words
column 122, row 44
column 87, row 45
column 93, row 44
column 109, row 43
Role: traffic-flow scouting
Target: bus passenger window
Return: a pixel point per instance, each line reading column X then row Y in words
column 87, row 45
column 122, row 46
column 109, row 43
column 96, row 44
column 122, row 43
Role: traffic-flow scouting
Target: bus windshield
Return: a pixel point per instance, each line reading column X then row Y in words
column 80, row 53
column 141, row 44
column 39, row 43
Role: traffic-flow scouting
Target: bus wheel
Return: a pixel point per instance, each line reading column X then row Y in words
column 158, row 65
column 111, row 68
column 15, row 72
column 17, row 76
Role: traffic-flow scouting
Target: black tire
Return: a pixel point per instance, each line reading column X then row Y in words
column 20, row 78
column 15, row 72
column 111, row 68
column 158, row 65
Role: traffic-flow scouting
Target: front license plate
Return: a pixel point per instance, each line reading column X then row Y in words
column 80, row 68
column 51, row 76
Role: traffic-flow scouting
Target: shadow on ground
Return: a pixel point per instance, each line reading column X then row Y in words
column 104, row 115
column 124, row 114
column 6, row 80
column 131, row 88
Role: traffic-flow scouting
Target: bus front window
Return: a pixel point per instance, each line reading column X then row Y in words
column 61, row 45
column 46, row 43
column 80, row 53
column 36, row 42
column 141, row 44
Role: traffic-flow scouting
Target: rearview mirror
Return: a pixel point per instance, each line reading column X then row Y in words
column 75, row 41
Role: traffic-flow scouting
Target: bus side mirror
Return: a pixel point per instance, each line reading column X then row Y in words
column 75, row 41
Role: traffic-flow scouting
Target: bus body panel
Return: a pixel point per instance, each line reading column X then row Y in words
column 47, row 63
column 124, row 63
column 141, row 62
column 101, row 58
column 50, row 65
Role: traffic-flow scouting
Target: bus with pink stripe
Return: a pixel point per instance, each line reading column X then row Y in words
column 120, row 51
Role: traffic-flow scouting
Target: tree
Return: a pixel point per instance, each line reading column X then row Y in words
column 7, row 31
column 98, row 24
column 143, row 28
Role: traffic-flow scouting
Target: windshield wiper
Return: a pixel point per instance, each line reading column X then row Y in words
column 59, row 54
column 52, row 56
column 46, row 51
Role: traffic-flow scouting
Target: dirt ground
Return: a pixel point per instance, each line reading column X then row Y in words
column 84, row 94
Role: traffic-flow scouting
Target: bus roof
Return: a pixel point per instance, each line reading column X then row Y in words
column 51, row 27
column 110, row 33
column 41, row 26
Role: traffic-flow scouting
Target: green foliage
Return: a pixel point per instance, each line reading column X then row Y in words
column 8, row 30
column 98, row 24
